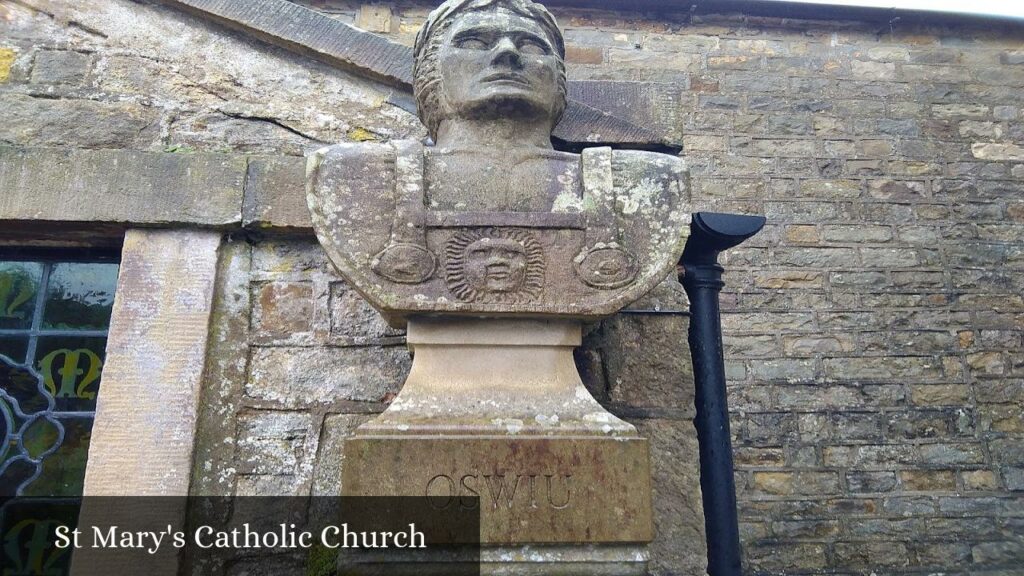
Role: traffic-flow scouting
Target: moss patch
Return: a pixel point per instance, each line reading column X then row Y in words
column 7, row 56
column 361, row 135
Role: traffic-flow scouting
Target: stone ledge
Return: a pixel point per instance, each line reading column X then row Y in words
column 120, row 186
column 275, row 194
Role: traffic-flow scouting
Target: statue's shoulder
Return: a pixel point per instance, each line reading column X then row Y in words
column 632, row 168
column 653, row 162
column 360, row 156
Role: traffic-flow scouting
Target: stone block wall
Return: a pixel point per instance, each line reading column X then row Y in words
column 874, row 330
column 299, row 360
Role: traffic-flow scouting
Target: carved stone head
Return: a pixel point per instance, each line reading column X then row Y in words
column 480, row 59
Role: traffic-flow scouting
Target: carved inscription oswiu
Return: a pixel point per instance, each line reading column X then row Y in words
column 494, row 491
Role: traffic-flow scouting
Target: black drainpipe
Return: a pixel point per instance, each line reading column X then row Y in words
column 710, row 234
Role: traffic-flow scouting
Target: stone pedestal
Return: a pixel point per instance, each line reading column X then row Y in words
column 495, row 409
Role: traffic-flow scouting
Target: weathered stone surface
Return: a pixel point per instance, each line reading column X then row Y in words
column 60, row 67
column 531, row 490
column 272, row 442
column 289, row 259
column 330, row 460
column 355, row 322
column 214, row 471
column 244, row 131
column 48, row 122
column 282, row 309
column 144, row 435
column 678, row 510
column 647, row 104
column 7, row 57
column 980, row 480
column 306, row 377
column 1013, row 477
column 324, row 37
column 647, row 361
column 374, row 18
column 993, row 151
column 100, row 186
column 274, row 195
column 871, row 481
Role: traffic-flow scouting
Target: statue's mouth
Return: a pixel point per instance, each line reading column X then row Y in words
column 507, row 78
column 500, row 271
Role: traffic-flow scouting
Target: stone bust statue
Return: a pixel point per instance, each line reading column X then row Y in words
column 493, row 248
column 490, row 218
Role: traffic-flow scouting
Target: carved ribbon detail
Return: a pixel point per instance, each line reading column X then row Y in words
column 603, row 263
column 406, row 259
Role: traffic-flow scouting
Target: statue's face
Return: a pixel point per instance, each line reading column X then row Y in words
column 499, row 64
column 495, row 265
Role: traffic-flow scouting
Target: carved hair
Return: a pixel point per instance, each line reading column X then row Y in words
column 431, row 37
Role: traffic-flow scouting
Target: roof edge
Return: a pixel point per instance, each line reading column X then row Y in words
column 790, row 10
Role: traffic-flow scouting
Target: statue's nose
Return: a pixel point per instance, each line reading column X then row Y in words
column 506, row 52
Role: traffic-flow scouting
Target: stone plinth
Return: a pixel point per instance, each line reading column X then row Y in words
column 494, row 415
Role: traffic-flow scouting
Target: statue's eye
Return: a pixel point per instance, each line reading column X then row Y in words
column 471, row 44
column 533, row 47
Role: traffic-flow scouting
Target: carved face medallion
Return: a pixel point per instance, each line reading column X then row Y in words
column 499, row 64
column 495, row 265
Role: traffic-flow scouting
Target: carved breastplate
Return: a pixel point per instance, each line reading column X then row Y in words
column 602, row 245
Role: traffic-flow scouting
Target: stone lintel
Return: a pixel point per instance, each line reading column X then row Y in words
column 120, row 186
column 275, row 194
column 108, row 191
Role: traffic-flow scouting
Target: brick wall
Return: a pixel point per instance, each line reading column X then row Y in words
column 873, row 330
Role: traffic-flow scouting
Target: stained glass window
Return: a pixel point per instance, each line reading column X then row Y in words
column 54, row 316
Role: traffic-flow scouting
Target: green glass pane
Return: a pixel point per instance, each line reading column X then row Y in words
column 71, row 368
column 80, row 296
column 8, row 427
column 64, row 470
column 14, row 475
column 40, row 436
column 28, row 530
column 19, row 283
column 23, row 387
column 14, row 348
